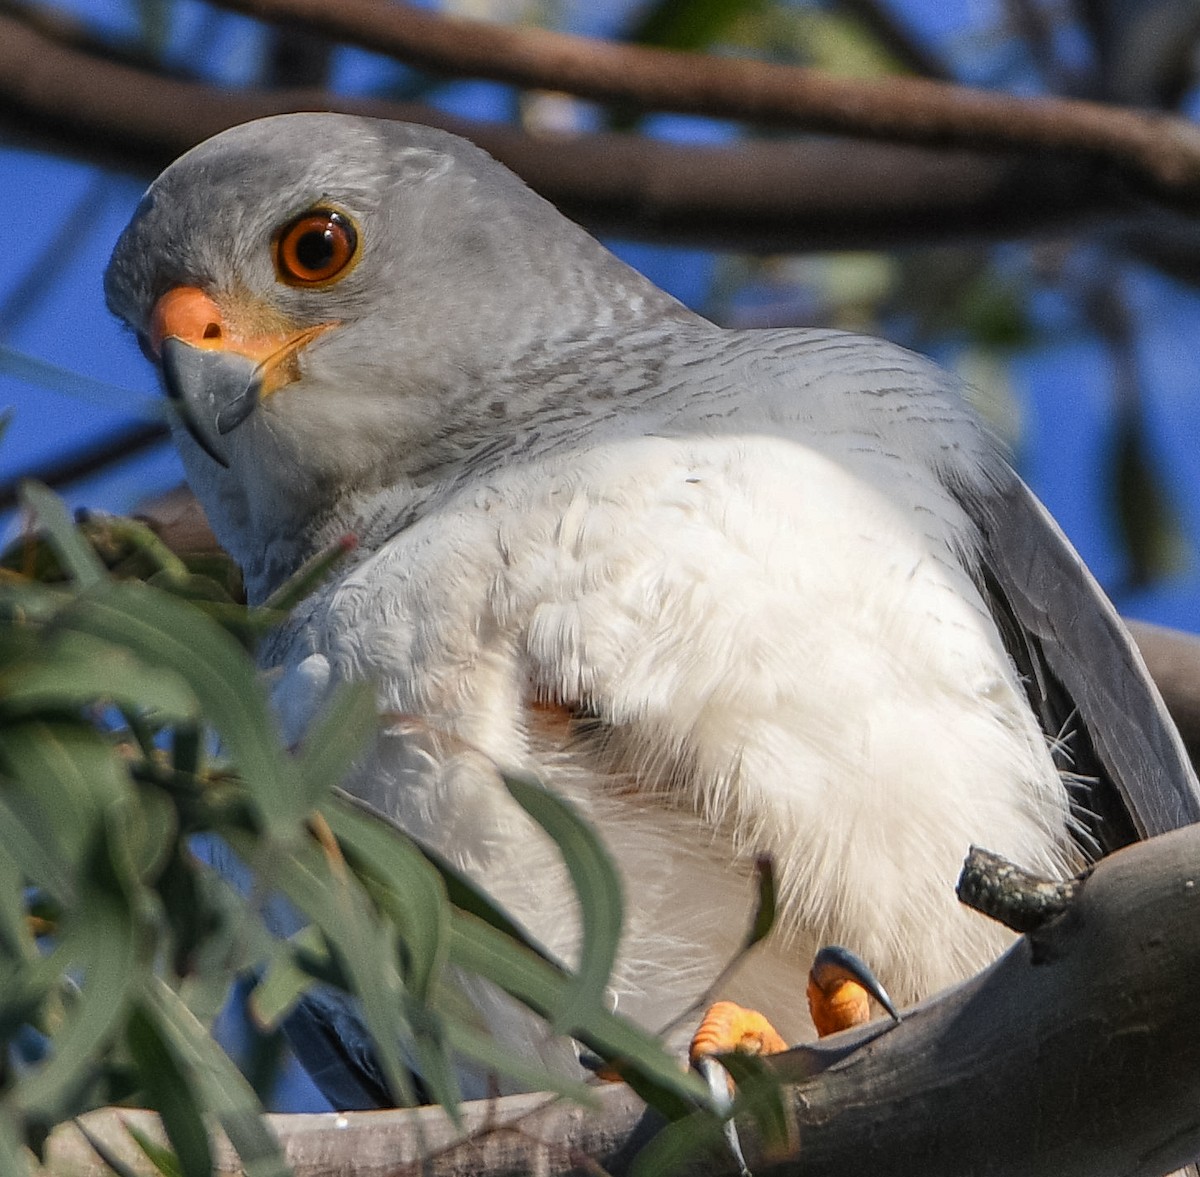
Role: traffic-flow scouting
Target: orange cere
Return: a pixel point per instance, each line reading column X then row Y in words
column 190, row 314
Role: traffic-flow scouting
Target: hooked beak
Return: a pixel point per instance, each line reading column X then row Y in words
column 216, row 377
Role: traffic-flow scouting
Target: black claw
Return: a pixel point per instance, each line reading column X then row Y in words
column 835, row 963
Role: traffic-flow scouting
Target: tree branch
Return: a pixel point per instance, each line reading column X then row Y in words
column 1160, row 152
column 1077, row 1054
column 93, row 457
column 760, row 196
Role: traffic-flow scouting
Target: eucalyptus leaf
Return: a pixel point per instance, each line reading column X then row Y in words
column 13, row 1157
column 74, row 670
column 409, row 888
column 334, row 900
column 309, row 576
column 168, row 1089
column 484, row 1050
column 683, row 1145
column 339, row 734
column 58, row 778
column 688, row 24
column 597, row 885
column 80, row 562
column 460, row 890
column 16, row 940
column 284, row 983
column 167, row 633
column 163, row 1159
column 645, row 1065
column 224, row 1090
column 104, row 945
column 34, row 847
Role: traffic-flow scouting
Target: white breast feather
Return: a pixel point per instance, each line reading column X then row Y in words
column 768, row 610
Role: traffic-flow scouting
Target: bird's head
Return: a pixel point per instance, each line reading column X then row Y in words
column 340, row 304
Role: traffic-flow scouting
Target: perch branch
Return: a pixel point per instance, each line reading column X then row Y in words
column 1086, row 1064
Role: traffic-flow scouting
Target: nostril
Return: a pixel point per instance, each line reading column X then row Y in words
column 189, row 314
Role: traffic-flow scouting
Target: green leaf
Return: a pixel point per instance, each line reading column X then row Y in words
column 81, row 563
column 35, row 848
column 60, row 778
column 761, row 923
column 120, row 541
column 101, row 939
column 163, row 1159
column 222, row 1087
column 645, row 1065
column 482, row 939
column 169, row 1091
column 466, row 896
column 167, row 633
column 407, row 887
column 147, row 829
column 283, row 982
column 760, row 1094
column 72, row 670
column 597, row 885
column 16, row 940
column 327, row 894
column 688, row 24
column 503, row 1060
column 763, row 919
column 13, row 1157
column 41, row 373
column 1147, row 520
column 308, row 576
column 681, row 1146
column 338, row 735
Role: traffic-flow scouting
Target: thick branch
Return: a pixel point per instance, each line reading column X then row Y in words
column 1086, row 1064
column 1162, row 152
column 761, row 196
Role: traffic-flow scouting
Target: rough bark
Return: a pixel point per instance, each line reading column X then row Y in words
column 1083, row 1064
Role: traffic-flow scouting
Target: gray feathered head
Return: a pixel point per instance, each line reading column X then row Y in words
column 341, row 302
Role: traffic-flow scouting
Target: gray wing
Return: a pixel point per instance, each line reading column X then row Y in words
column 1082, row 670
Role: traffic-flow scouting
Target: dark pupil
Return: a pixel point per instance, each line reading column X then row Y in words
column 314, row 250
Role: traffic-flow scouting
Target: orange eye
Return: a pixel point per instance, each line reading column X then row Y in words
column 316, row 248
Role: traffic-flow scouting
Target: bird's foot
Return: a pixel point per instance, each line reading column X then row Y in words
column 840, row 988
column 728, row 1027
